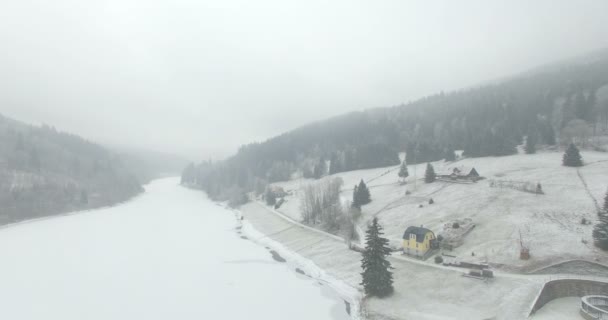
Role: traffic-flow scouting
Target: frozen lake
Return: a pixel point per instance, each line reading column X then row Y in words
column 168, row 254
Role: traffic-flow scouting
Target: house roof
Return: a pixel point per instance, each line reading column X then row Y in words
column 420, row 232
column 277, row 190
column 464, row 171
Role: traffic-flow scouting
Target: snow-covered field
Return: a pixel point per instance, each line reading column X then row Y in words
column 168, row 254
column 421, row 292
column 550, row 224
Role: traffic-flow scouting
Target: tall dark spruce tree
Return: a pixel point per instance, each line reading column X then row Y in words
column 600, row 230
column 403, row 173
column 410, row 153
column 356, row 203
column 450, row 154
column 320, row 169
column 271, row 198
column 363, row 195
column 572, row 157
column 531, row 141
column 548, row 134
column 606, row 202
column 335, row 165
column 429, row 174
column 377, row 275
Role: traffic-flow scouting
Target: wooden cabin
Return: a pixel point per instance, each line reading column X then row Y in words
column 278, row 192
column 461, row 173
column 464, row 173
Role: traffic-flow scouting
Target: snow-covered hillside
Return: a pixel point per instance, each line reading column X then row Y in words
column 550, row 224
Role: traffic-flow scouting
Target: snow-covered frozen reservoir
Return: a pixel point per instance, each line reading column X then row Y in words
column 168, row 254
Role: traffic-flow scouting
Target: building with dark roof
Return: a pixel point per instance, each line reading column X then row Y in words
column 417, row 241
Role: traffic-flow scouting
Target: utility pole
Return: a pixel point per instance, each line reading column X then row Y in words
column 524, row 251
column 415, row 164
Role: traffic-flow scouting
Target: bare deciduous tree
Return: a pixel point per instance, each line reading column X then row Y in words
column 321, row 204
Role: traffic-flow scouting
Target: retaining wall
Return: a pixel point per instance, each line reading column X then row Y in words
column 562, row 288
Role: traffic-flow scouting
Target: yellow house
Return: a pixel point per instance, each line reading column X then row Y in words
column 417, row 241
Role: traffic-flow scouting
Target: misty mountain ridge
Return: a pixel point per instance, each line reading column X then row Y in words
column 148, row 165
column 44, row 171
column 552, row 105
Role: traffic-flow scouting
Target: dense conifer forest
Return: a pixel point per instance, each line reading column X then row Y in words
column 553, row 105
column 44, row 172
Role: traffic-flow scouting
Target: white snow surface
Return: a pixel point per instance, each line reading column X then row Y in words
column 168, row 254
column 421, row 292
column 550, row 224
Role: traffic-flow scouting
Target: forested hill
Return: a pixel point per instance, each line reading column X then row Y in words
column 44, row 172
column 550, row 105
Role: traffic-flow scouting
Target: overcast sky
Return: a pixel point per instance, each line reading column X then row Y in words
column 199, row 78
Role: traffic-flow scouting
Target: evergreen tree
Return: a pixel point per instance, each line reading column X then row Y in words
column 429, row 175
column 19, row 145
column 320, row 169
column 375, row 155
column 606, row 203
column 307, row 172
column 349, row 160
column 188, row 175
column 410, row 153
column 34, row 160
column 582, row 109
column 377, row 276
column 335, row 165
column 450, row 155
column 600, row 232
column 403, row 173
column 363, row 195
column 539, row 188
column 271, row 198
column 547, row 133
column 591, row 106
column 356, row 202
column 572, row 157
column 531, row 141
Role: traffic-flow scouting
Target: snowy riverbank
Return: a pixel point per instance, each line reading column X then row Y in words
column 351, row 296
column 168, row 254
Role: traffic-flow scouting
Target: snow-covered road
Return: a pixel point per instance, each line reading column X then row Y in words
column 168, row 254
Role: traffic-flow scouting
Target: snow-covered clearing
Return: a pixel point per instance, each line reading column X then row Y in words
column 168, row 254
column 421, row 292
column 550, row 224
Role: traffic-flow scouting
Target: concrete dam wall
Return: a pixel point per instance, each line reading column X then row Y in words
column 562, row 288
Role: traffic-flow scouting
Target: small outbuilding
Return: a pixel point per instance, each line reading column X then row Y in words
column 418, row 241
column 278, row 192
